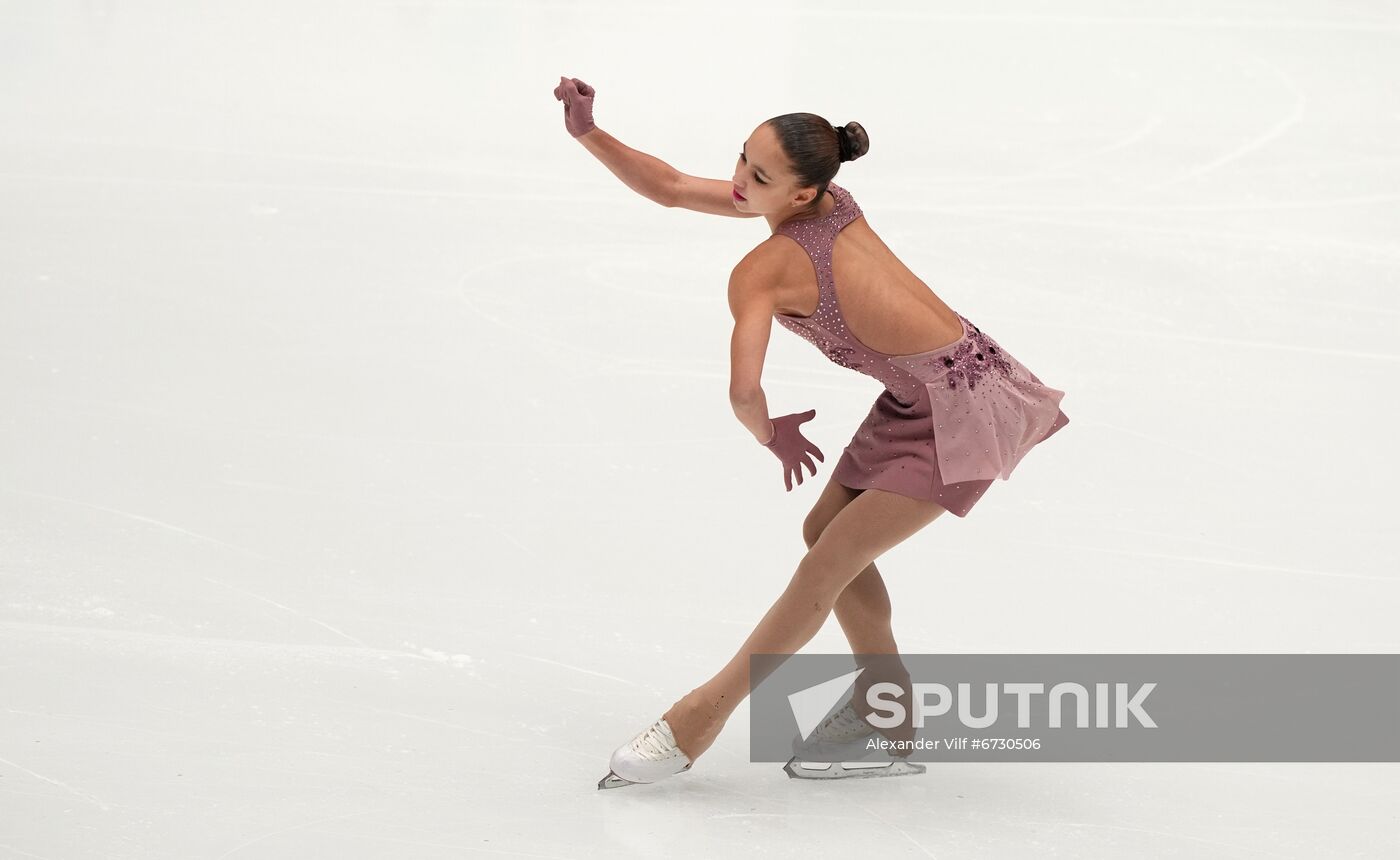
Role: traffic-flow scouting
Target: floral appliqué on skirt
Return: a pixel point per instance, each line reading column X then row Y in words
column 988, row 409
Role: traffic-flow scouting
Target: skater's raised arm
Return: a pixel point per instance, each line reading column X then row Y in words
column 647, row 175
column 650, row 177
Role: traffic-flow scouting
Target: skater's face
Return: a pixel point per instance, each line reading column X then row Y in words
column 763, row 179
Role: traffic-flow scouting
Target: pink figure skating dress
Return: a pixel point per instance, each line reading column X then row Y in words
column 950, row 421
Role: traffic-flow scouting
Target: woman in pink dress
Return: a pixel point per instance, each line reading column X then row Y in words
column 958, row 411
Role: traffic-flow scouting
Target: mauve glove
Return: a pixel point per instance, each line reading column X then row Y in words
column 789, row 445
column 578, row 105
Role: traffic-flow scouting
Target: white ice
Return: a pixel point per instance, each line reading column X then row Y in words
column 367, row 472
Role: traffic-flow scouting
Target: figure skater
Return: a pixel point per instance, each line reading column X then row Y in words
column 958, row 411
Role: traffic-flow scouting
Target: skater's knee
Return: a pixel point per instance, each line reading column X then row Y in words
column 824, row 575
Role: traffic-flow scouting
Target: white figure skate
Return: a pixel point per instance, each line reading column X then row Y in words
column 843, row 732
column 649, row 757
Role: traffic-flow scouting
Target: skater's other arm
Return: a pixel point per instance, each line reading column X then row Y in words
column 658, row 181
column 711, row 196
column 752, row 302
column 648, row 176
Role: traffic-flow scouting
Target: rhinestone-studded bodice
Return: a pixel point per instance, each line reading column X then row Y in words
column 987, row 409
column 826, row 328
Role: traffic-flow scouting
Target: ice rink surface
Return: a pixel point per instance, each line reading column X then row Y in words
column 367, row 472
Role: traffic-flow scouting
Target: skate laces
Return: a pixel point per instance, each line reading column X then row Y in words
column 844, row 721
column 654, row 743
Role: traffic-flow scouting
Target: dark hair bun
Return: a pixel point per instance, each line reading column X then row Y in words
column 853, row 140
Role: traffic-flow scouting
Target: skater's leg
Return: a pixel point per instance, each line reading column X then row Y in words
column 863, row 610
column 862, row 530
column 863, row 607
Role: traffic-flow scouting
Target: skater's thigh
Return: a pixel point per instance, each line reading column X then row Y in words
column 834, row 497
column 865, row 528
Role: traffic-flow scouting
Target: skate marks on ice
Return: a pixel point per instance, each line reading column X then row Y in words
column 206, row 538
column 66, row 787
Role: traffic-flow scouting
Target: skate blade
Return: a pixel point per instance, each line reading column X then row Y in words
column 612, row 780
column 798, row 769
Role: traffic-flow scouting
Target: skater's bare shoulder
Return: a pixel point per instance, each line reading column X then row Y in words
column 758, row 278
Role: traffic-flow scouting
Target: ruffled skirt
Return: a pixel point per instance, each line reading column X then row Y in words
column 978, row 412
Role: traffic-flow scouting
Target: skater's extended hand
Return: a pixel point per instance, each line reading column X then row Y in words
column 578, row 105
column 789, row 445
